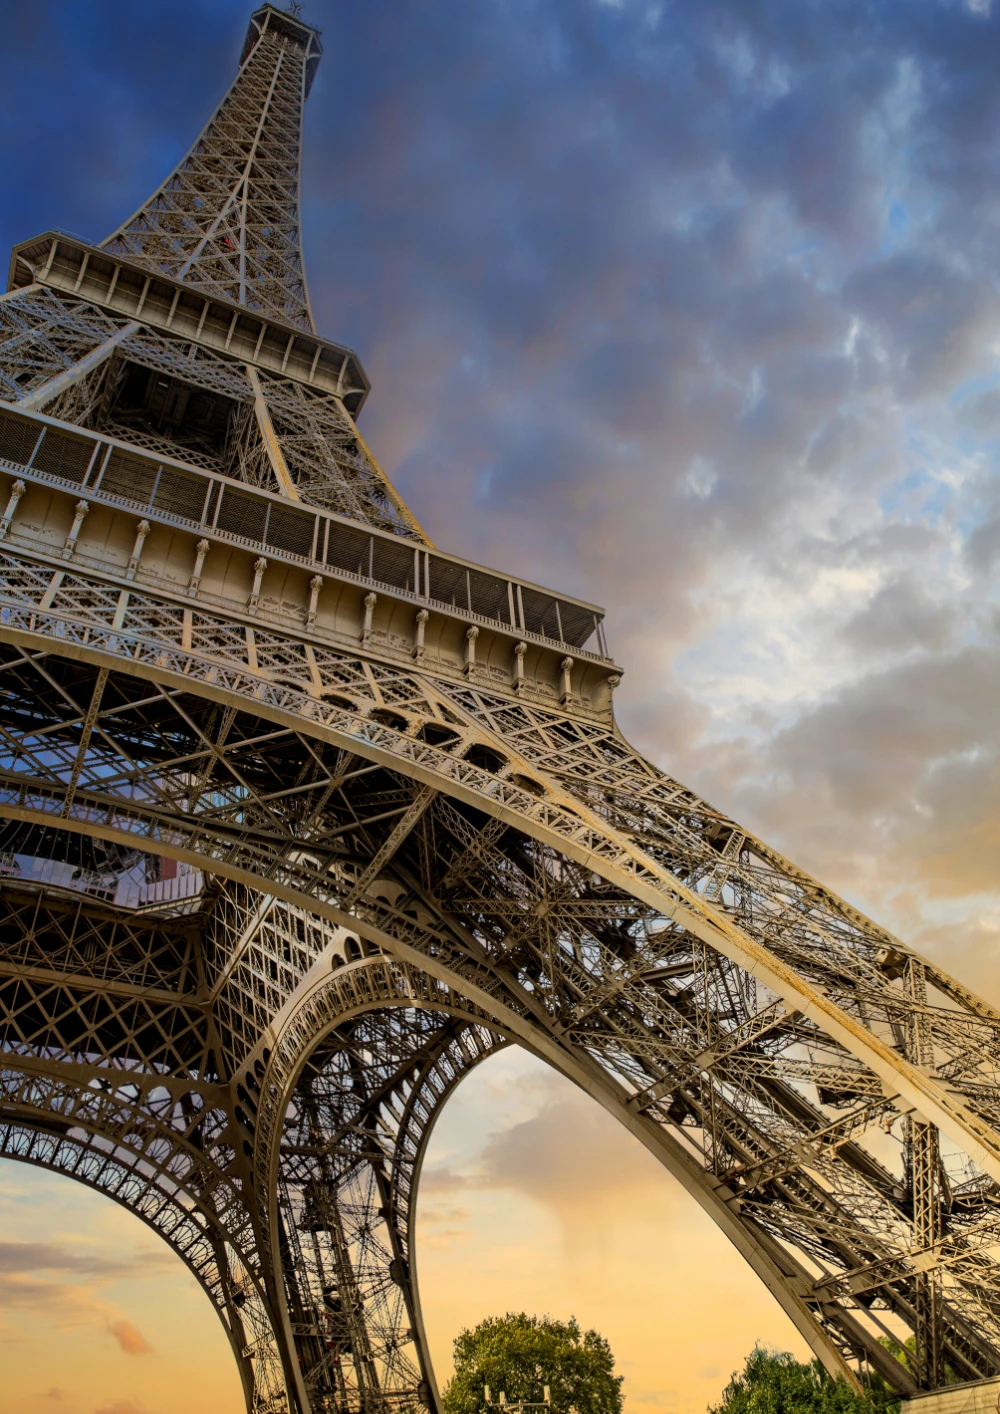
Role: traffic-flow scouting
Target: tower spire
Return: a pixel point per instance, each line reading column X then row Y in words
column 227, row 218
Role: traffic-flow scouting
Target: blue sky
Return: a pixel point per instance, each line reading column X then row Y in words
column 689, row 307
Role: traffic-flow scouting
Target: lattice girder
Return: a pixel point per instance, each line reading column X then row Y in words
column 227, row 218
column 830, row 950
column 69, row 354
column 606, row 1011
column 363, row 1108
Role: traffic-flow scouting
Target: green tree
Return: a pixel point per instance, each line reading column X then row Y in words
column 521, row 1354
column 776, row 1383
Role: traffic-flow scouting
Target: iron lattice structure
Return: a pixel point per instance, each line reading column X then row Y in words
column 302, row 818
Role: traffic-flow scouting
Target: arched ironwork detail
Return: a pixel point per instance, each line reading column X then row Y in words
column 47, row 1141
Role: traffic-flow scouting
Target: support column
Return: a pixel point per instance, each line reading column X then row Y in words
column 82, row 510
column 201, row 550
column 315, row 585
column 50, row 390
column 566, row 668
column 924, row 1171
column 142, row 530
column 269, row 437
column 16, row 492
column 520, row 649
column 418, row 642
column 259, row 566
column 366, row 628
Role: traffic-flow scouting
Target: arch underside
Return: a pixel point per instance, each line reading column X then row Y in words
column 43, row 1128
column 377, row 910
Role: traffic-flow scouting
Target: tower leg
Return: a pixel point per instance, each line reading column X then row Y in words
column 923, row 1162
column 350, row 1154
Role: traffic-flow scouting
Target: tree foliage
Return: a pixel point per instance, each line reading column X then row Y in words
column 521, row 1354
column 776, row 1383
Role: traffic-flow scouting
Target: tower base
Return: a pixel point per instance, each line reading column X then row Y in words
column 975, row 1397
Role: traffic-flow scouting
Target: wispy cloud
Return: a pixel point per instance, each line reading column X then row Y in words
column 81, row 1260
column 566, row 1156
column 64, row 1283
column 129, row 1337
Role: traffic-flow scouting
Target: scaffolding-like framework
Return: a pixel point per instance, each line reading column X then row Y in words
column 301, row 818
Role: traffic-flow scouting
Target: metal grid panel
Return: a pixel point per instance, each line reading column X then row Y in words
column 348, row 549
column 448, row 583
column 393, row 564
column 129, row 476
column 291, row 530
column 490, row 596
column 242, row 514
column 541, row 614
column 179, row 493
column 18, row 439
column 227, row 219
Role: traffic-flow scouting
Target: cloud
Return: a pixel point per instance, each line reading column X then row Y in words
column 809, row 146
column 561, row 1157
column 80, row 1260
column 901, row 616
column 66, row 1303
column 62, row 1282
column 441, row 1214
column 53, row 1393
column 934, row 320
column 567, row 1156
column 129, row 1337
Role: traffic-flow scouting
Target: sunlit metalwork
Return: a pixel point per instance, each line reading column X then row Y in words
column 300, row 818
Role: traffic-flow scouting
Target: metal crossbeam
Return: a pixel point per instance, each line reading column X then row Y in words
column 414, row 812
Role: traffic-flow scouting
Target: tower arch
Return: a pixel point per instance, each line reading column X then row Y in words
column 43, row 1139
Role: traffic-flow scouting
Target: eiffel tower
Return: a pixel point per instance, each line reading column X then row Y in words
column 301, row 818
